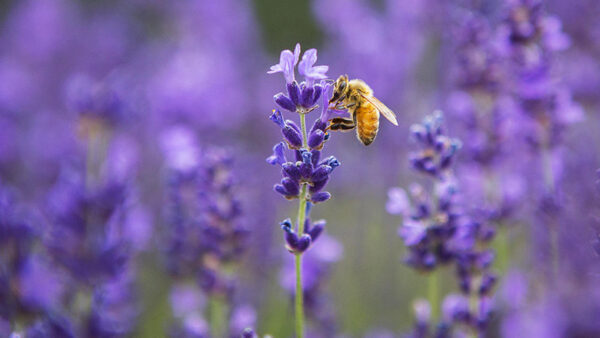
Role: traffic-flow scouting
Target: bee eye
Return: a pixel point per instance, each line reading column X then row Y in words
column 343, row 86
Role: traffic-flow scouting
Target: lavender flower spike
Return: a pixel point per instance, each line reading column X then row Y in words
column 205, row 236
column 437, row 150
column 437, row 231
column 306, row 177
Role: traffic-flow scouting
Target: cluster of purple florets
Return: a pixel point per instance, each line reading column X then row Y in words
column 81, row 235
column 438, row 150
column 301, row 97
column 306, row 169
column 312, row 231
column 531, row 37
column 427, row 229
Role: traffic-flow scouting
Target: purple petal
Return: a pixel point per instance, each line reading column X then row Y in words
column 303, row 243
column 320, row 197
column 398, row 203
column 284, row 102
column 278, row 156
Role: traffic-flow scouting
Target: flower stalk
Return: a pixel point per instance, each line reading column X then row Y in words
column 433, row 294
column 301, row 220
column 218, row 316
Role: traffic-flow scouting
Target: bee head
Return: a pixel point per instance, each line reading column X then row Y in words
column 340, row 88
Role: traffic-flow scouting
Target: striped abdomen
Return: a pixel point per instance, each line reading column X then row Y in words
column 367, row 123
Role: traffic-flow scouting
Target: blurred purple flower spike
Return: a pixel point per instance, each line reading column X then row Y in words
column 437, row 231
column 249, row 333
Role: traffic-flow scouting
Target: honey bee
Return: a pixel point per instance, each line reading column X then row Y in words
column 357, row 98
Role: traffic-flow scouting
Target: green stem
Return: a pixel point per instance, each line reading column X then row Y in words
column 474, row 303
column 218, row 316
column 301, row 220
column 303, row 127
column 503, row 247
column 299, row 298
column 433, row 285
column 433, row 294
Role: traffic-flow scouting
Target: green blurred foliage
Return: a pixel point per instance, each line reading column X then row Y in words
column 285, row 22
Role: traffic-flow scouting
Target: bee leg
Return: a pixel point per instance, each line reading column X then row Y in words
column 342, row 107
column 341, row 124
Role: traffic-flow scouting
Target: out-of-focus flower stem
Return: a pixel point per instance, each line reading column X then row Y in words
column 299, row 298
column 433, row 286
column 474, row 302
column 550, row 184
column 547, row 167
column 218, row 316
column 502, row 244
column 97, row 137
column 502, row 247
column 93, row 136
column 301, row 220
column 433, row 294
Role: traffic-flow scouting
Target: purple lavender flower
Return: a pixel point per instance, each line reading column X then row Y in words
column 422, row 311
column 428, row 228
column 301, row 96
column 31, row 288
column 204, row 221
column 437, row 231
column 17, row 238
column 308, row 70
column 187, row 305
column 477, row 102
column 206, row 235
column 531, row 37
column 306, row 176
column 456, row 309
column 437, row 150
column 307, row 169
column 52, row 326
column 113, row 310
column 95, row 101
column 433, row 221
column 287, row 64
column 243, row 316
column 82, row 220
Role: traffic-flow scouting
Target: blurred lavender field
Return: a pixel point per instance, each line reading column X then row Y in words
column 135, row 199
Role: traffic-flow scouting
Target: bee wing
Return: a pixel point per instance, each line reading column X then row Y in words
column 383, row 109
